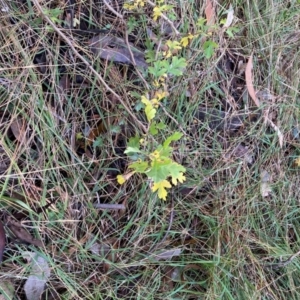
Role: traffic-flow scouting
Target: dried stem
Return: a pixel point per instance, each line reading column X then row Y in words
column 109, row 206
column 112, row 9
column 133, row 61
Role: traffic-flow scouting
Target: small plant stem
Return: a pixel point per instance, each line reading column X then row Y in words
column 134, row 63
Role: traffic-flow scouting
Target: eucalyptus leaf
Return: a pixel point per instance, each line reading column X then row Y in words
column 116, row 50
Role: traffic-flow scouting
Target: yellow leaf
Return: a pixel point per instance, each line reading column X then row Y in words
column 79, row 136
column 121, row 179
column 297, row 161
column 140, row 3
column 161, row 188
column 156, row 13
column 154, row 155
column 128, row 6
column 159, row 95
column 173, row 45
column 181, row 178
column 155, row 103
column 150, row 112
column 156, row 83
column 131, row 5
column 185, row 40
column 160, row 81
column 167, row 54
column 145, row 100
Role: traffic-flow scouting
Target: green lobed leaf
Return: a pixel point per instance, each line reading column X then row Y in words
column 159, row 170
column 164, row 151
column 139, row 166
column 153, row 128
column 175, row 169
column 209, row 48
column 132, row 150
column 134, row 142
column 174, row 137
column 177, row 66
column 159, row 68
column 161, row 125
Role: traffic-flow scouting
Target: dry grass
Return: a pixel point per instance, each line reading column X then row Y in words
column 232, row 239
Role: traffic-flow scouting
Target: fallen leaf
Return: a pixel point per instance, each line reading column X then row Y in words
column 241, row 151
column 100, row 249
column 64, row 83
column 2, row 241
column 104, row 250
column 265, row 188
column 277, row 130
column 171, row 275
column 39, row 274
column 18, row 127
column 219, row 120
column 264, row 95
column 167, row 254
column 209, row 13
column 116, row 50
column 230, row 17
column 4, row 162
column 249, row 81
column 21, row 233
column 99, row 129
column 122, row 178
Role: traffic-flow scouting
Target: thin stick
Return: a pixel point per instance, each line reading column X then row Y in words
column 112, row 9
column 285, row 262
column 133, row 61
column 109, row 206
column 100, row 78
